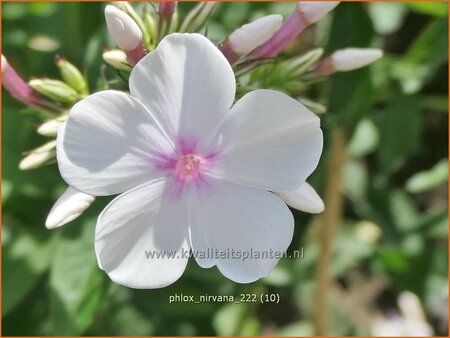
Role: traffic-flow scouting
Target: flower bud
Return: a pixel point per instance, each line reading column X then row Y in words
column 305, row 14
column 313, row 11
column 128, row 9
column 126, row 33
column 167, row 18
column 304, row 198
column 348, row 59
column 4, row 63
column 166, row 9
column 123, row 29
column 39, row 156
column 51, row 127
column 72, row 76
column 68, row 207
column 117, row 59
column 198, row 16
column 246, row 38
column 20, row 90
column 54, row 89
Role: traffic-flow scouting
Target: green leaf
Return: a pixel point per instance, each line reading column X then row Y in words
column 128, row 321
column 435, row 102
column 435, row 223
column 349, row 250
column 355, row 180
column 423, row 58
column 228, row 319
column 24, row 259
column 400, row 126
column 403, row 211
column 426, row 180
column 250, row 327
column 365, row 139
column 394, row 259
column 300, row 328
column 435, row 8
column 76, row 281
column 351, row 93
column 279, row 276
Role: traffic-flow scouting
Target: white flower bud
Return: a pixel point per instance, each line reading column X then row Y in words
column 246, row 38
column 313, row 11
column 117, row 59
column 353, row 58
column 304, row 198
column 38, row 156
column 124, row 30
column 69, row 206
column 4, row 63
column 51, row 127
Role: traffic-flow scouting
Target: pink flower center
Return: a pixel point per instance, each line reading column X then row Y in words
column 187, row 167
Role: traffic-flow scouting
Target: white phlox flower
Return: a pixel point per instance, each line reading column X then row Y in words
column 194, row 172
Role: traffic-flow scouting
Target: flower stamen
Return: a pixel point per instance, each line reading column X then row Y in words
column 187, row 167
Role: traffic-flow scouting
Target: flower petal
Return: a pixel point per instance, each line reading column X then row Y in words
column 68, row 207
column 188, row 84
column 304, row 198
column 268, row 141
column 141, row 238
column 108, row 144
column 230, row 221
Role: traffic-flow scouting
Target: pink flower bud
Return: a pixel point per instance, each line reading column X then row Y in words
column 248, row 37
column 166, row 9
column 305, row 14
column 20, row 90
column 126, row 33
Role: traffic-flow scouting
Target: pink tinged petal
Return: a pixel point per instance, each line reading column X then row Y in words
column 68, row 207
column 269, row 141
column 304, row 198
column 109, row 144
column 237, row 218
column 187, row 84
column 142, row 222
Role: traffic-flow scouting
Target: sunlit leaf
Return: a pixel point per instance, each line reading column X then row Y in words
column 426, row 180
column 76, row 282
column 365, row 139
column 436, row 8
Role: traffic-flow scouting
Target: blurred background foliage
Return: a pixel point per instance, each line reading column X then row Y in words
column 393, row 234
